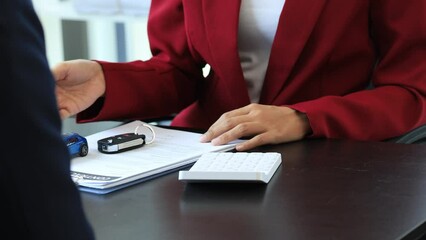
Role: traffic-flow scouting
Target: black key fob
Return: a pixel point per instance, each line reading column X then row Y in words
column 121, row 143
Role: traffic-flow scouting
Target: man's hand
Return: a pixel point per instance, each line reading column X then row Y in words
column 79, row 83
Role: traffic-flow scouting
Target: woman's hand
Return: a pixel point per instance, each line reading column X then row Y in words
column 79, row 83
column 265, row 124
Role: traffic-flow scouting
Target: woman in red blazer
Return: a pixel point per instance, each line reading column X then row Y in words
column 324, row 55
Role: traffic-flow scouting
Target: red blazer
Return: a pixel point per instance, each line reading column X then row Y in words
column 324, row 55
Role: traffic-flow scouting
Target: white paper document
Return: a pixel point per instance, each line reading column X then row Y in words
column 172, row 149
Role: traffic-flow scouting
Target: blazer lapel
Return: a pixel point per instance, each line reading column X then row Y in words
column 296, row 23
column 221, row 26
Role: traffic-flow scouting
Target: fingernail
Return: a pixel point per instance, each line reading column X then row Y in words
column 203, row 138
column 238, row 148
column 215, row 142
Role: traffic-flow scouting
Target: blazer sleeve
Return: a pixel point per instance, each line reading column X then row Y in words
column 160, row 86
column 397, row 102
column 39, row 199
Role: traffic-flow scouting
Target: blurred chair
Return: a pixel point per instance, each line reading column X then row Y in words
column 417, row 135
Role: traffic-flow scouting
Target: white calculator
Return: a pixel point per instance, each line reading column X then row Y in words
column 233, row 166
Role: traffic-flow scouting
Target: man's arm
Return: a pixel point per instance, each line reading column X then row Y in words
column 39, row 199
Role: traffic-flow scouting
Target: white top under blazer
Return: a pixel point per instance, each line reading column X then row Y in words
column 258, row 23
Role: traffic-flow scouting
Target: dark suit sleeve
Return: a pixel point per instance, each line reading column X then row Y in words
column 39, row 200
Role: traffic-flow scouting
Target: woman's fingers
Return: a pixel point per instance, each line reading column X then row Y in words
column 262, row 124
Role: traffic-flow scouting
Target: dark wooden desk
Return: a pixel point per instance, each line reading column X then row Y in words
column 326, row 189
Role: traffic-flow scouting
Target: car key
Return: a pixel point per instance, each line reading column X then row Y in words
column 121, row 143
